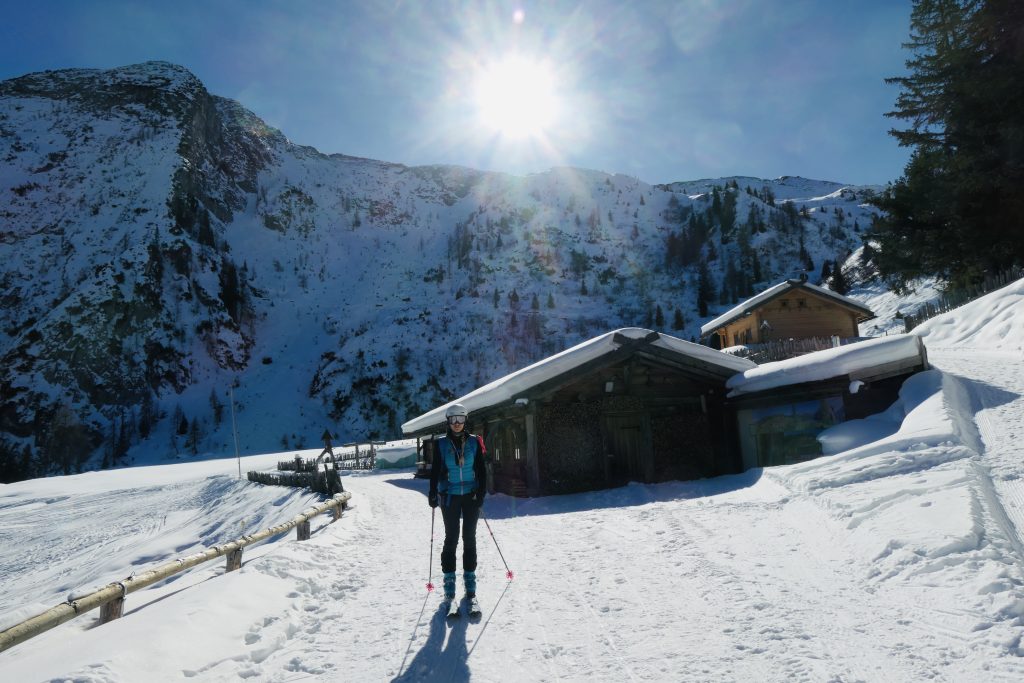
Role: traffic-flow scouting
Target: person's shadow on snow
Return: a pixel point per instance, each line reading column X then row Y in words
column 438, row 660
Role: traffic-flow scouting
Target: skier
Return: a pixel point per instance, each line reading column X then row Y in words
column 458, row 483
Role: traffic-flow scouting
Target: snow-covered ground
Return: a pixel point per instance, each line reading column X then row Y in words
column 897, row 559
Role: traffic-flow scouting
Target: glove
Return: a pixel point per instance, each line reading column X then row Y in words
column 432, row 499
column 478, row 497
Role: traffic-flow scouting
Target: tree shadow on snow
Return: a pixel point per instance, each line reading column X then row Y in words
column 438, row 660
column 501, row 506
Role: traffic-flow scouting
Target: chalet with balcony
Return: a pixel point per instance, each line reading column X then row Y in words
column 794, row 309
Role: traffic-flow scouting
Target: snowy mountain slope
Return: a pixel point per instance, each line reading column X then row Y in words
column 162, row 244
column 897, row 559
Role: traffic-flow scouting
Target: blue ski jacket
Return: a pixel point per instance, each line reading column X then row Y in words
column 458, row 467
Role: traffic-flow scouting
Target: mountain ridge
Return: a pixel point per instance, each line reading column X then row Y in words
column 164, row 245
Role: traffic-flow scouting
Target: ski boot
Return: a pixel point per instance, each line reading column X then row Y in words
column 469, row 578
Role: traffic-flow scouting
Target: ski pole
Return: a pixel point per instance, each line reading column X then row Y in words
column 508, row 572
column 430, row 570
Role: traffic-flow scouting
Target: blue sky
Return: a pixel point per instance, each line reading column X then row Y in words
column 663, row 91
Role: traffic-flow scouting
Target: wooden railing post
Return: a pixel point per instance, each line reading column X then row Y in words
column 234, row 560
column 115, row 608
column 302, row 529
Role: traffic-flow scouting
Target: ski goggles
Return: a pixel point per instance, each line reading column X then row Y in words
column 457, row 420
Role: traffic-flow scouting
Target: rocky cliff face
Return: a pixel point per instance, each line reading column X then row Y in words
column 162, row 245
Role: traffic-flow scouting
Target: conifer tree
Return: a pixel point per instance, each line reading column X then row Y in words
column 678, row 322
column 957, row 211
column 230, row 291
column 217, row 407
column 180, row 421
column 194, row 436
column 838, row 282
column 705, row 289
column 147, row 415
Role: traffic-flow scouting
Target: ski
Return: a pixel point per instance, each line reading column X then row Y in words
column 474, row 608
column 453, row 609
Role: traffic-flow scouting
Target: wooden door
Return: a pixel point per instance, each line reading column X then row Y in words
column 628, row 447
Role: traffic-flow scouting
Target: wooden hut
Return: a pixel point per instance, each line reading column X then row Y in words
column 630, row 405
column 782, row 408
column 794, row 309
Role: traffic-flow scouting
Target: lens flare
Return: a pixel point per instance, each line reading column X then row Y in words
column 517, row 97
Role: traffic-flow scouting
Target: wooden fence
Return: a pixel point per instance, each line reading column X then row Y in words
column 354, row 459
column 958, row 297
column 327, row 482
column 110, row 599
column 782, row 349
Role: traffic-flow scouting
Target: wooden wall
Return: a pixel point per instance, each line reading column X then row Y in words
column 650, row 426
column 682, row 446
column 794, row 315
column 570, row 447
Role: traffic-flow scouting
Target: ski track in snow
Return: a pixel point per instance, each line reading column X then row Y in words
column 999, row 416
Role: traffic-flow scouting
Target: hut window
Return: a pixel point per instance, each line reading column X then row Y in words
column 801, row 303
column 784, row 303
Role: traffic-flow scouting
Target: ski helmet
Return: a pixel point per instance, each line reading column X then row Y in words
column 456, row 409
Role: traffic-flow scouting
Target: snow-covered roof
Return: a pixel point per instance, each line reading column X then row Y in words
column 753, row 302
column 852, row 359
column 512, row 385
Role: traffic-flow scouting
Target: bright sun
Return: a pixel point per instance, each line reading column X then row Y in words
column 517, row 98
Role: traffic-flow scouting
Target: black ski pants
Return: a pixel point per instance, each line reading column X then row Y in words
column 455, row 509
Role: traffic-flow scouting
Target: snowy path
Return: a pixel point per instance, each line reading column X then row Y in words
column 597, row 588
column 720, row 580
column 997, row 399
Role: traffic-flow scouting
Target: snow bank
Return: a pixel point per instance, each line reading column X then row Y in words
column 88, row 530
column 874, row 430
column 909, row 490
column 993, row 322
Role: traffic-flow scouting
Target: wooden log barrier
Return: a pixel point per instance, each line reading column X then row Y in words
column 115, row 593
